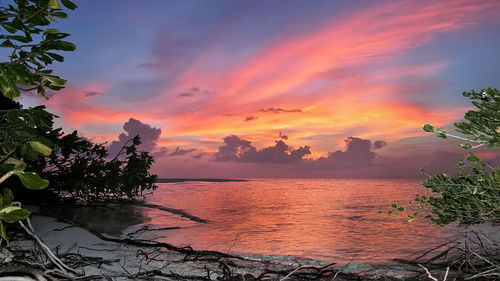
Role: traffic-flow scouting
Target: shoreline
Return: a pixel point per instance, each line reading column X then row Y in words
column 118, row 254
column 112, row 251
column 108, row 219
column 176, row 180
column 118, row 259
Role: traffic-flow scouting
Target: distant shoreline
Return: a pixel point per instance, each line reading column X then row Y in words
column 174, row 180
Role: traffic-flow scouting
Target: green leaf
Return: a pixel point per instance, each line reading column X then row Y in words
column 8, row 196
column 57, row 57
column 52, row 31
column 3, row 232
column 9, row 28
column 440, row 133
column 428, row 128
column 61, row 45
column 466, row 145
column 53, row 4
column 55, row 88
column 23, row 76
column 62, row 15
column 473, row 158
column 45, row 59
column 12, row 214
column 8, row 85
column 19, row 38
column 20, row 168
column 55, row 80
column 56, row 36
column 68, row 4
column 411, row 218
column 28, row 153
column 40, row 148
column 13, row 161
column 32, row 180
column 41, row 91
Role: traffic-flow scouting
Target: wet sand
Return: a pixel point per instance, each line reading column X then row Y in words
column 121, row 259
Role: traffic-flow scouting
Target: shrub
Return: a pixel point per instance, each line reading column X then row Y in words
column 473, row 196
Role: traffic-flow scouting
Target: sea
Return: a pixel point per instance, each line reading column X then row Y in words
column 334, row 220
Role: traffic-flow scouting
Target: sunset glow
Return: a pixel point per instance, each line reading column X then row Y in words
column 311, row 75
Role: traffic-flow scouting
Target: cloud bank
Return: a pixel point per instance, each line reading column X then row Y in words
column 149, row 137
column 240, row 150
column 180, row 151
column 358, row 153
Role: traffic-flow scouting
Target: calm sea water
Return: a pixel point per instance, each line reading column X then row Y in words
column 327, row 219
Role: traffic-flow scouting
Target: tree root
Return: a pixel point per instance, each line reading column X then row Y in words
column 163, row 261
column 191, row 253
column 217, row 265
column 474, row 256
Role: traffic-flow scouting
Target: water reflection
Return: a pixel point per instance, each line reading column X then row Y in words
column 328, row 219
column 111, row 219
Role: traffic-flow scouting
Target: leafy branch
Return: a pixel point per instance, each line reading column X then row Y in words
column 473, row 196
column 34, row 46
column 23, row 27
column 483, row 124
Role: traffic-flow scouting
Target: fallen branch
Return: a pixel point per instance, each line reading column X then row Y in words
column 152, row 244
column 292, row 272
column 432, row 277
column 179, row 212
column 55, row 260
column 474, row 256
column 147, row 228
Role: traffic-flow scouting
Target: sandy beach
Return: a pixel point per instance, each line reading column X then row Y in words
column 96, row 259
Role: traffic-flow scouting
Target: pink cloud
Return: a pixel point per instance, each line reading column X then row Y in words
column 79, row 107
column 353, row 50
column 349, row 74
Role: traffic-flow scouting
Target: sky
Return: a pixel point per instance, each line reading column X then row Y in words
column 278, row 88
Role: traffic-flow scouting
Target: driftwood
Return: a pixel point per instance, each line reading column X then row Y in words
column 472, row 257
column 466, row 259
column 36, row 264
column 179, row 212
column 224, row 260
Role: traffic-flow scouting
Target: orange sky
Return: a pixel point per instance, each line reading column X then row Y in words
column 370, row 71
